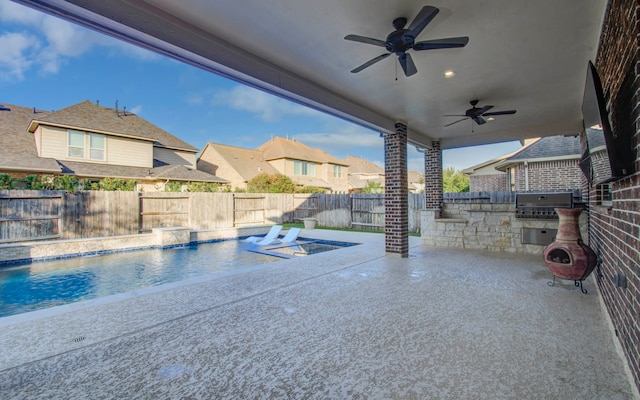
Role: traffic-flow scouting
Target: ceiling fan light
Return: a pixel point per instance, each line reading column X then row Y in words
column 491, row 119
column 449, row 74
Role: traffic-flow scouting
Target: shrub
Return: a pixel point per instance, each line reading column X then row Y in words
column 7, row 182
column 173, row 187
column 111, row 184
column 265, row 183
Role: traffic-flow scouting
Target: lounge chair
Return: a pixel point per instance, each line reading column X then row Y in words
column 290, row 237
column 272, row 234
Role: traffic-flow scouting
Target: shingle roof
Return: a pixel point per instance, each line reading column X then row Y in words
column 248, row 163
column 17, row 145
column 171, row 172
column 91, row 117
column 359, row 165
column 279, row 147
column 550, row 146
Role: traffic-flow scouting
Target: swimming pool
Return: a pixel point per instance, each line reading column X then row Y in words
column 45, row 284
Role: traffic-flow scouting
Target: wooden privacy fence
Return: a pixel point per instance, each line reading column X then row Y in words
column 36, row 215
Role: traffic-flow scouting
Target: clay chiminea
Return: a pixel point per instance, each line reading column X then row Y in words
column 567, row 257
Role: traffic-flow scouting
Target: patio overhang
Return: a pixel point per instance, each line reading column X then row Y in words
column 522, row 55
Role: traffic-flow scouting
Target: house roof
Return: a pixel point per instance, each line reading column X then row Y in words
column 17, row 145
column 414, row 177
column 279, row 147
column 310, row 181
column 499, row 159
column 91, row 117
column 165, row 172
column 247, row 163
column 358, row 165
column 550, row 147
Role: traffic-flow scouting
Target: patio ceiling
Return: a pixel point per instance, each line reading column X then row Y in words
column 526, row 55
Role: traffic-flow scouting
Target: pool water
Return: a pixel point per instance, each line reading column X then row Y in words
column 44, row 284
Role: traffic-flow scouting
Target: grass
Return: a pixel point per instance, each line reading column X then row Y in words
column 301, row 225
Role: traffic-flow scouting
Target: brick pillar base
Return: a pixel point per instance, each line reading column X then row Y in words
column 396, row 193
column 433, row 177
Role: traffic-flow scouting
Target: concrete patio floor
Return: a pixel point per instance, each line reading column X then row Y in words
column 346, row 324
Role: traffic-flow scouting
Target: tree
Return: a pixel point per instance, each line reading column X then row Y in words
column 373, row 187
column 275, row 183
column 454, row 181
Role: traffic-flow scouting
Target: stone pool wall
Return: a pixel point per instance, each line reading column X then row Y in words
column 159, row 237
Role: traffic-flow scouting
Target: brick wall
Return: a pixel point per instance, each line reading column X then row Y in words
column 615, row 232
column 488, row 183
column 548, row 175
column 396, row 192
column 433, row 176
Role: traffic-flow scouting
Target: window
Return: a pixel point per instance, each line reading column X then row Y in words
column 76, row 144
column 96, row 146
column 304, row 168
column 604, row 194
column 337, row 171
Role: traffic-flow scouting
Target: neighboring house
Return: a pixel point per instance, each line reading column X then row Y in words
column 544, row 164
column 236, row 164
column 304, row 165
column 416, row 182
column 93, row 142
column 362, row 171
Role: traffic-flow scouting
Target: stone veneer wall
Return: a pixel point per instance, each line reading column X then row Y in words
column 486, row 226
column 615, row 230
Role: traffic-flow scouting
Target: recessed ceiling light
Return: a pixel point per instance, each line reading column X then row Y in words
column 449, row 74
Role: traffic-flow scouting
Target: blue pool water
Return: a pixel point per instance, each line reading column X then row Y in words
column 44, row 284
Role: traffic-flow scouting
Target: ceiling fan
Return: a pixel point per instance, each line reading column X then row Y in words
column 401, row 40
column 476, row 113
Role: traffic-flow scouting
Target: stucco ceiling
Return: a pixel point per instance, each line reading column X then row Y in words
column 525, row 55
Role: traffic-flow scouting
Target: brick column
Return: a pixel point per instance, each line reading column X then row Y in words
column 396, row 192
column 433, row 177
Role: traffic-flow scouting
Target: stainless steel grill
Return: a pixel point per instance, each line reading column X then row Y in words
column 541, row 205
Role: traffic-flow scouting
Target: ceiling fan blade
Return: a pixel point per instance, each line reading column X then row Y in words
column 407, row 64
column 364, row 39
column 454, row 115
column 441, row 43
column 426, row 14
column 480, row 120
column 455, row 122
column 370, row 62
column 507, row 112
column 481, row 111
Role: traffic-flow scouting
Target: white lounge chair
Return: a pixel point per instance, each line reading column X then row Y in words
column 272, row 234
column 290, row 237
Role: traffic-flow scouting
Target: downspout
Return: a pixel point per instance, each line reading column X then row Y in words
column 526, row 175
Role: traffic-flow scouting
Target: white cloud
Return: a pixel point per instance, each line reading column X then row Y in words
column 137, row 110
column 268, row 107
column 51, row 42
column 15, row 55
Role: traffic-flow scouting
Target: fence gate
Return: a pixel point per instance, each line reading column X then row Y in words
column 157, row 211
column 25, row 216
column 248, row 210
column 367, row 211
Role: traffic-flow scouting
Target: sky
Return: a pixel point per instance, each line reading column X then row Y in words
column 50, row 64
